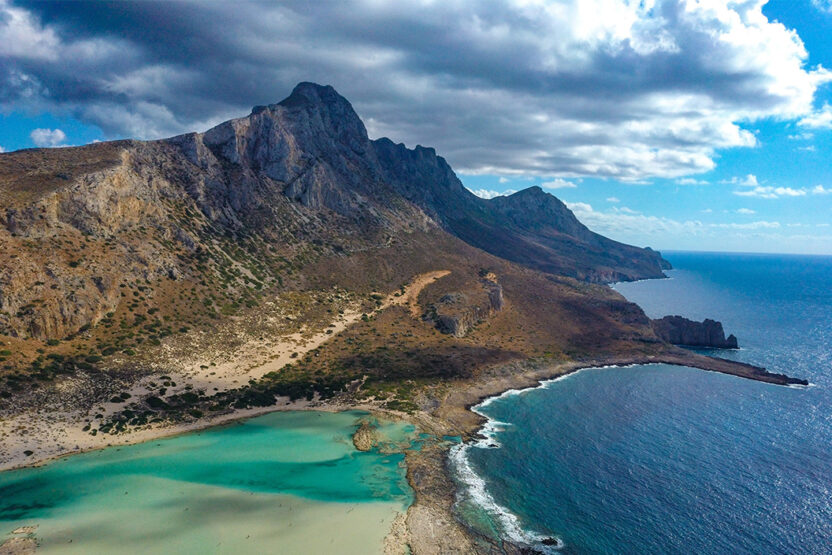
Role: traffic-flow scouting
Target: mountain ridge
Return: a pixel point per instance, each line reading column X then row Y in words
column 299, row 171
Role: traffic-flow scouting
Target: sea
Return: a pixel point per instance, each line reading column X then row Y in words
column 286, row 482
column 668, row 459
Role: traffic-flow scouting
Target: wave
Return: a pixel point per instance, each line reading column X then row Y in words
column 475, row 486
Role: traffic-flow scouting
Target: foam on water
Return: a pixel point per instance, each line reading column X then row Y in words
column 656, row 459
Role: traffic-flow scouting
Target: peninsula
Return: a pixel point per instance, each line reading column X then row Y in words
column 283, row 260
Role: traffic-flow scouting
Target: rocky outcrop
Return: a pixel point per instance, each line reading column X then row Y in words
column 365, row 437
column 457, row 313
column 681, row 331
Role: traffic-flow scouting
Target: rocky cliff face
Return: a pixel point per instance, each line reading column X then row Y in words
column 681, row 331
column 458, row 312
column 246, row 203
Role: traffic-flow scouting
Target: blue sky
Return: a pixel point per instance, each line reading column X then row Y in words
column 670, row 123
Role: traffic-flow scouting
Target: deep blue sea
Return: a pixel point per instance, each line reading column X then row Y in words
column 664, row 459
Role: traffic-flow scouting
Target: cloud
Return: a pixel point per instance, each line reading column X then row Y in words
column 628, row 223
column 770, row 192
column 489, row 194
column 609, row 88
column 749, row 180
column 47, row 137
column 558, row 183
column 746, row 211
column 619, row 223
column 752, row 225
column 503, row 180
column 691, row 181
column 823, row 5
column 821, row 119
column 2, row 150
column 613, row 199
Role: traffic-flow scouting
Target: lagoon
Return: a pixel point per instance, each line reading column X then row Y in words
column 286, row 482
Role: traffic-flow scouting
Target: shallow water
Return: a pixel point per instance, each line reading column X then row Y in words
column 664, row 459
column 288, row 482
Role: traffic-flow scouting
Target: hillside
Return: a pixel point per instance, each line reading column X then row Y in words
column 278, row 257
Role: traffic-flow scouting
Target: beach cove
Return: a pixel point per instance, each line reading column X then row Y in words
column 288, row 482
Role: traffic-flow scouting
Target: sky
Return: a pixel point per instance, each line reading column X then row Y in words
column 678, row 124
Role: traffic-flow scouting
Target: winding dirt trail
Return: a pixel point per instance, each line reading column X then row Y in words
column 410, row 297
column 45, row 435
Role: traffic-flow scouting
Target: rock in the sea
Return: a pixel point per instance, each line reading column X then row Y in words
column 365, row 437
column 681, row 331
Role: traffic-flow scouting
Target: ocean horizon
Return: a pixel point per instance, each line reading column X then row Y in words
column 659, row 458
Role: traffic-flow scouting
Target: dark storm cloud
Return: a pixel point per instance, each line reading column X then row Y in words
column 578, row 87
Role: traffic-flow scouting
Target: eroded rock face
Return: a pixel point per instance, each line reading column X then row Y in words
column 456, row 313
column 681, row 331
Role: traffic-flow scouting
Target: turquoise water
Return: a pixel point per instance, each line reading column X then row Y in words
column 663, row 459
column 285, row 482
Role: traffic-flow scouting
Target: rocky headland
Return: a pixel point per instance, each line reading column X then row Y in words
column 682, row 331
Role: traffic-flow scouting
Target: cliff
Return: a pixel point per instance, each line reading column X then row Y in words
column 457, row 313
column 681, row 331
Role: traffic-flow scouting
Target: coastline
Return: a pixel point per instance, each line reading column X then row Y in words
column 429, row 524
column 431, row 520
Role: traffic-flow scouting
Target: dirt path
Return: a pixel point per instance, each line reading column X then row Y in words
column 410, row 297
column 47, row 434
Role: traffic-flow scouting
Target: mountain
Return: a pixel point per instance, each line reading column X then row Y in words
column 147, row 288
column 296, row 177
column 530, row 227
column 234, row 256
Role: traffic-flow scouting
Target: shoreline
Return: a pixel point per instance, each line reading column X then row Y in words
column 430, row 523
column 457, row 415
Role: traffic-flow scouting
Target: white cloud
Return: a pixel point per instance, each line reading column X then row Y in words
column 503, row 180
column 611, row 88
column 47, row 137
column 823, row 5
column 691, row 181
column 613, row 199
column 821, row 119
column 621, row 223
column 489, row 194
column 771, row 192
column 558, row 183
column 746, row 211
column 749, row 180
column 752, row 225
column 23, row 37
column 2, row 150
